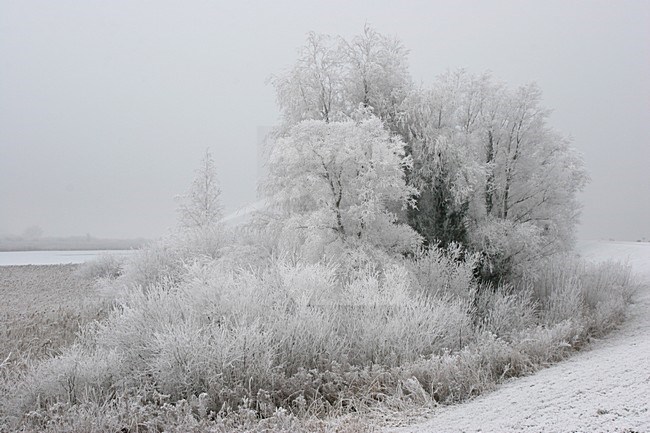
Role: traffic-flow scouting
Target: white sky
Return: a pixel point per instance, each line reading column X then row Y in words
column 107, row 106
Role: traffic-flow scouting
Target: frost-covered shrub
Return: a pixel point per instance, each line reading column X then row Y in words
column 569, row 288
column 444, row 272
column 504, row 312
column 606, row 280
column 205, row 242
column 158, row 263
column 231, row 334
column 164, row 263
column 73, row 377
column 508, row 249
column 544, row 344
column 104, row 266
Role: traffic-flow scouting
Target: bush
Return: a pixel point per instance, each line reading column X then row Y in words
column 163, row 263
column 505, row 312
column 448, row 272
column 508, row 249
column 568, row 288
column 232, row 334
column 104, row 266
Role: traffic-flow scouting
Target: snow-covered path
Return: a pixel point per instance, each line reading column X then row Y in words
column 604, row 389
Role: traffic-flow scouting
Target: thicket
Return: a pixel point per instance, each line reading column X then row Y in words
column 490, row 172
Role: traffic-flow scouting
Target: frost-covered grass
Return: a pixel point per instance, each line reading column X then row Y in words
column 198, row 341
column 42, row 309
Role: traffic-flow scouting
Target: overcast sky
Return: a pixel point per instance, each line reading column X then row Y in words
column 106, row 107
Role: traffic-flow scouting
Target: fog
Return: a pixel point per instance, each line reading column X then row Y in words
column 106, row 108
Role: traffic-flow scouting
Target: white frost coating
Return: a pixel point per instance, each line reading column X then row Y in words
column 604, row 389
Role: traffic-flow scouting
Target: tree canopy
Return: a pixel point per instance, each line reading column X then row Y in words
column 341, row 180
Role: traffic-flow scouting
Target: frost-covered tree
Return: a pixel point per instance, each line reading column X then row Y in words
column 376, row 73
column 313, row 88
column 483, row 152
column 340, row 180
column 533, row 174
column 201, row 206
column 446, row 170
column 332, row 77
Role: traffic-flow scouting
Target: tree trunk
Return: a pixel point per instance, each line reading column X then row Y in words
column 489, row 182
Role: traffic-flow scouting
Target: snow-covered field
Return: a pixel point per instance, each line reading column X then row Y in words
column 604, row 389
column 21, row 258
column 636, row 254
